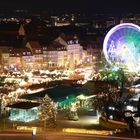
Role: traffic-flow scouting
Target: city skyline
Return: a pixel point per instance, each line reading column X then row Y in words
column 69, row 66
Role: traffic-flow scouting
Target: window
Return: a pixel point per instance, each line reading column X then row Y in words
column 28, row 53
column 71, row 42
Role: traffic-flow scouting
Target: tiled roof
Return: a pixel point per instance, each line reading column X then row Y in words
column 56, row 46
column 18, row 52
column 35, row 44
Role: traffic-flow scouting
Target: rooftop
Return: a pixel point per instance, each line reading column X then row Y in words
column 24, row 105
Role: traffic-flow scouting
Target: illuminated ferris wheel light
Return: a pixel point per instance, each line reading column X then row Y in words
column 122, row 46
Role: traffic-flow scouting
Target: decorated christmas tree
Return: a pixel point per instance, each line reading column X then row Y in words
column 47, row 114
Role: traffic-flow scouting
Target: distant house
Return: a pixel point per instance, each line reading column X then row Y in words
column 12, row 34
column 37, row 52
column 4, row 56
column 74, row 50
column 56, row 55
column 16, row 58
column 27, row 58
column 15, row 61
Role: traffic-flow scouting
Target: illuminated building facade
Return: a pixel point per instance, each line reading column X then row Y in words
column 27, row 59
column 56, row 55
column 16, row 57
column 15, row 61
column 37, row 51
column 74, row 51
column 11, row 36
column 5, row 56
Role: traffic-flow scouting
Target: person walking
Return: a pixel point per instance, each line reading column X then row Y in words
column 130, row 122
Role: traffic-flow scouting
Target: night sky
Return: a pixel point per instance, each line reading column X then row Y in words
column 89, row 6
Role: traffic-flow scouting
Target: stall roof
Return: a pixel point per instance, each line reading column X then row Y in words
column 24, row 105
column 56, row 93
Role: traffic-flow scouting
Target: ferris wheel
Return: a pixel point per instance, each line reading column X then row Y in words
column 122, row 46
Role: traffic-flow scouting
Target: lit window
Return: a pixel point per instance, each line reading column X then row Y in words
column 71, row 42
column 28, row 53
